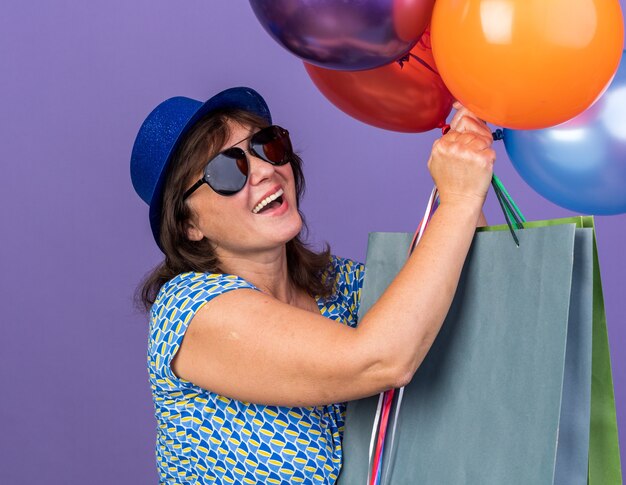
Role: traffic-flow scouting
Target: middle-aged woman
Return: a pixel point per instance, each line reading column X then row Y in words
column 249, row 385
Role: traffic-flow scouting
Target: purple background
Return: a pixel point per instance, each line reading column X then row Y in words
column 77, row 79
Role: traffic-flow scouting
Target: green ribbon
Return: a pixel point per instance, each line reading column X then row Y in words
column 511, row 211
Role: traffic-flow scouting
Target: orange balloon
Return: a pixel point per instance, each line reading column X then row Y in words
column 407, row 96
column 527, row 64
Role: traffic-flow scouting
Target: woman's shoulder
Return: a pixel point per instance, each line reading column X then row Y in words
column 201, row 287
column 178, row 301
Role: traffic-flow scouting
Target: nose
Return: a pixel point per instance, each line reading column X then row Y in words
column 260, row 170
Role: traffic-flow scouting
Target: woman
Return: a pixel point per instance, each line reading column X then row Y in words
column 246, row 383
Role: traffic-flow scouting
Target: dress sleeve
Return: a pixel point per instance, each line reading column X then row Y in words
column 349, row 280
column 175, row 306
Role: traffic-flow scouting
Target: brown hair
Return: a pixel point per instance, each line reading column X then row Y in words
column 305, row 266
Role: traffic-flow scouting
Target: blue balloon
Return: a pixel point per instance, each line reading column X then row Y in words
column 580, row 164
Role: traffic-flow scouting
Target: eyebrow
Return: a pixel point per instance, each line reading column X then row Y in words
column 246, row 138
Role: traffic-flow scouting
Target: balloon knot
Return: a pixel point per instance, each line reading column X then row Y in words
column 498, row 134
column 402, row 60
column 445, row 129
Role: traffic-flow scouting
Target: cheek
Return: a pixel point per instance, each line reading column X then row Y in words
column 222, row 216
column 205, row 211
column 286, row 172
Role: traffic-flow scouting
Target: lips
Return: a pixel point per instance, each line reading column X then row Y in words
column 270, row 196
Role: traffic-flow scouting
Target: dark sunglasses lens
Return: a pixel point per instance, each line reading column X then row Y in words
column 272, row 144
column 227, row 173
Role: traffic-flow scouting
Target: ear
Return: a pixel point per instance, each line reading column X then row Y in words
column 193, row 233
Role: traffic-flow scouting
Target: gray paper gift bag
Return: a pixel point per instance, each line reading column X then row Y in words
column 504, row 395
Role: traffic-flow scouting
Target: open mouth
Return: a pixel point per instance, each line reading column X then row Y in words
column 272, row 205
column 272, row 202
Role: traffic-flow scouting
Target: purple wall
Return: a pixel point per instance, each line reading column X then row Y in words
column 77, row 79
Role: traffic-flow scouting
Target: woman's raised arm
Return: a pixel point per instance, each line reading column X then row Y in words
column 249, row 346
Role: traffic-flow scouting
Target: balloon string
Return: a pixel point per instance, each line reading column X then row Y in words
column 384, row 419
column 407, row 57
column 386, row 398
column 423, row 37
column 424, row 63
column 373, row 437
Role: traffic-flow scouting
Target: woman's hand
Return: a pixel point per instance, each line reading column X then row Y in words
column 461, row 161
column 462, row 121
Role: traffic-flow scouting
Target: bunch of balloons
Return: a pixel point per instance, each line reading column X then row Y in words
column 368, row 57
column 526, row 65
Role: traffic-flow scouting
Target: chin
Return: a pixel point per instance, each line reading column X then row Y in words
column 292, row 230
column 281, row 231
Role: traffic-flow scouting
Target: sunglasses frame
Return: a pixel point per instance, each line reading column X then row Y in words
column 282, row 133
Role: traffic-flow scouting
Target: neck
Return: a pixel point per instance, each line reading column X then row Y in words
column 266, row 270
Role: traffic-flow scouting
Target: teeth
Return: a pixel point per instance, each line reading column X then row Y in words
column 264, row 202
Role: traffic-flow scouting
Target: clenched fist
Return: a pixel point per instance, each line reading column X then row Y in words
column 461, row 161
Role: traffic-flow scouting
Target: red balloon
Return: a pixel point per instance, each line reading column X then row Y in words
column 411, row 17
column 407, row 96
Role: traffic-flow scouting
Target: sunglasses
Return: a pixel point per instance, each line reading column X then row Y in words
column 227, row 172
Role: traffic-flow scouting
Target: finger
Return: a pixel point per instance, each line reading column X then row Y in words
column 464, row 112
column 451, row 135
column 467, row 137
column 432, row 151
column 460, row 116
column 467, row 123
column 457, row 105
column 474, row 142
column 456, row 118
column 480, row 144
column 490, row 153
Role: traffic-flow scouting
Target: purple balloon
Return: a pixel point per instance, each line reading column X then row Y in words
column 345, row 35
column 580, row 164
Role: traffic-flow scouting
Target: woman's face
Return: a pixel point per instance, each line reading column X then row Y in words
column 231, row 222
